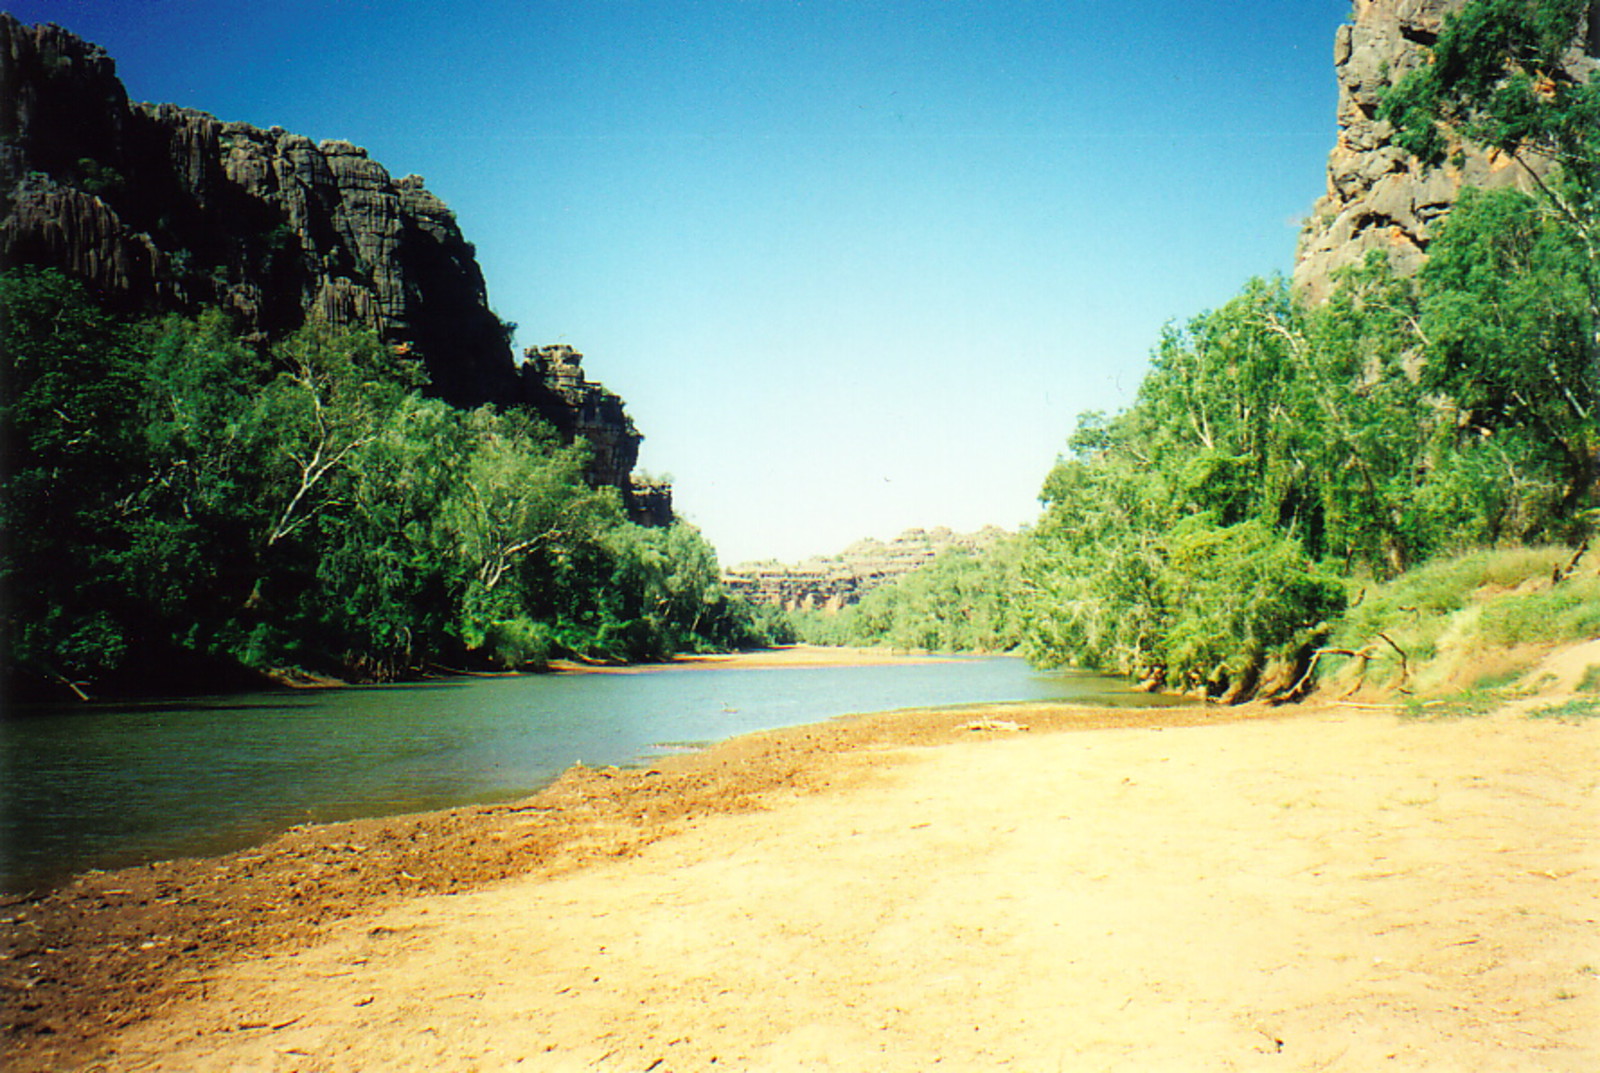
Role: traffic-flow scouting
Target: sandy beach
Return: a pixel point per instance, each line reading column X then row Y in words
column 1032, row 887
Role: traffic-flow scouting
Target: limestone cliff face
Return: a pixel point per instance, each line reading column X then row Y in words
column 1379, row 196
column 159, row 208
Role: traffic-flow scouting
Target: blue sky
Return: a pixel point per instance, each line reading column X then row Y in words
column 854, row 266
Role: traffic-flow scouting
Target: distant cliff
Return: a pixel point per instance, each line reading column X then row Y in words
column 158, row 208
column 1380, row 197
column 831, row 582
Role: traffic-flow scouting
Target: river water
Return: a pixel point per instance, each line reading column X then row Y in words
column 102, row 786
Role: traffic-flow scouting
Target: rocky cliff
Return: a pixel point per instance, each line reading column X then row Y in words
column 1379, row 196
column 158, row 208
column 552, row 381
column 830, row 582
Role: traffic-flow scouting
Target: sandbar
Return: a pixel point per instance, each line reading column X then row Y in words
column 1032, row 886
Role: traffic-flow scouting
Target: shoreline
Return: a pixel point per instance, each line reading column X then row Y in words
column 296, row 680
column 41, row 868
column 109, row 949
column 778, row 656
column 137, row 954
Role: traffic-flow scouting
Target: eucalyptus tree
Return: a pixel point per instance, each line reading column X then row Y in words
column 1510, row 340
column 1510, row 76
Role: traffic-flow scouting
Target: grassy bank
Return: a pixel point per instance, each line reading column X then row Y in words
column 1480, row 623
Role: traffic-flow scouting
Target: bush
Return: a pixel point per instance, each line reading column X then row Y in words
column 1241, row 597
column 518, row 644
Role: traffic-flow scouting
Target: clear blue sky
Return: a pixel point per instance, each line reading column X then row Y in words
column 854, row 266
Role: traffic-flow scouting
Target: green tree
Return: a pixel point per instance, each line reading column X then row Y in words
column 194, row 516
column 1500, row 77
column 173, row 496
column 964, row 600
column 1242, row 599
column 525, row 527
column 1091, row 577
column 327, row 401
column 1509, row 339
column 69, row 389
column 387, row 579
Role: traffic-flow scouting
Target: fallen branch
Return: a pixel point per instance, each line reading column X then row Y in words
column 1364, row 654
column 1561, row 573
column 1405, row 664
column 1300, row 688
column 76, row 687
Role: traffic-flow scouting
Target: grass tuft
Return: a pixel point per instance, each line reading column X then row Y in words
column 1590, row 682
column 1564, row 613
column 1576, row 708
column 1499, row 679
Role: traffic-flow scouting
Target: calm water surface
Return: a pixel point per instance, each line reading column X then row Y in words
column 107, row 786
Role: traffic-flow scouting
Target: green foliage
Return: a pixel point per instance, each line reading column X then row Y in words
column 1508, row 332
column 962, row 601
column 1239, row 598
column 69, row 385
column 1198, row 536
column 1517, row 312
column 1203, row 605
column 170, row 491
column 1176, row 537
column 1495, row 78
column 516, row 643
column 97, row 179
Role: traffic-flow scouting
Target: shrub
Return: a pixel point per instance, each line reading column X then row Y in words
column 1241, row 596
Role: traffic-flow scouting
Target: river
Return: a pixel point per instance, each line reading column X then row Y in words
column 104, row 786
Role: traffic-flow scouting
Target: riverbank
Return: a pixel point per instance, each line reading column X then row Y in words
column 777, row 656
column 1316, row 888
column 800, row 655
column 120, row 785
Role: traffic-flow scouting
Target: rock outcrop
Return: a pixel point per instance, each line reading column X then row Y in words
column 553, row 383
column 831, row 582
column 158, row 208
column 1379, row 196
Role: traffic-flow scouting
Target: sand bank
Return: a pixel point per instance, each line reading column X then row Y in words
column 1154, row 890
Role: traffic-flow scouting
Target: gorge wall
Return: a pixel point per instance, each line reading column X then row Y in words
column 831, row 582
column 157, row 208
column 1380, row 197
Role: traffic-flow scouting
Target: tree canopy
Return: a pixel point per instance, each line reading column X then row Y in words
column 170, row 490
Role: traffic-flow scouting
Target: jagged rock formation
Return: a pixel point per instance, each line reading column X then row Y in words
column 829, row 583
column 1379, row 196
column 553, row 383
column 158, row 208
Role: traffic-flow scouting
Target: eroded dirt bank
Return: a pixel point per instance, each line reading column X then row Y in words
column 1331, row 889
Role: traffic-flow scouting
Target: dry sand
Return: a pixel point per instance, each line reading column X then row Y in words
column 1334, row 889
